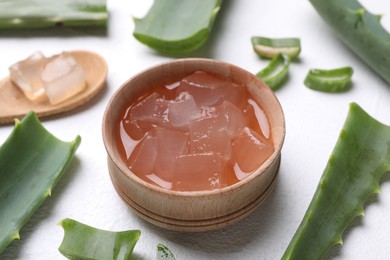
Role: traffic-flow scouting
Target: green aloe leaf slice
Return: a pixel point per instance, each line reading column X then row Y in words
column 85, row 242
column 336, row 80
column 270, row 47
column 276, row 73
column 359, row 160
column 163, row 253
column 177, row 26
column 31, row 162
column 48, row 13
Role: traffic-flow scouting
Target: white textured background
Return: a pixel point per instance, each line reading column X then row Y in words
column 313, row 122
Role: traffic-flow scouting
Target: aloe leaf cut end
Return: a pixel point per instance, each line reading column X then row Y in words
column 185, row 45
column 270, row 47
column 276, row 73
column 335, row 80
column 177, row 26
column 32, row 161
column 359, row 160
column 85, row 242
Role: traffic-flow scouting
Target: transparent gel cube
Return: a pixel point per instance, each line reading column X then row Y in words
column 62, row 78
column 26, row 74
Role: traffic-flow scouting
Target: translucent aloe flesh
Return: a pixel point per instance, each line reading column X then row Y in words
column 335, row 80
column 276, row 73
column 163, row 253
column 32, row 161
column 49, row 13
column 177, row 26
column 85, row 242
column 359, row 160
column 270, row 47
column 360, row 30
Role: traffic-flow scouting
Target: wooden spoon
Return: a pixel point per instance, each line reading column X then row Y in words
column 14, row 104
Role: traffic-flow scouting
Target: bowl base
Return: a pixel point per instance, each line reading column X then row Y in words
column 196, row 225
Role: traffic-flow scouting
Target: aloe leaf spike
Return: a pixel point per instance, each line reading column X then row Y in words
column 360, row 30
column 359, row 160
column 32, row 161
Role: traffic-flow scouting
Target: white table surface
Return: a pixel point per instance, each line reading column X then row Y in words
column 313, row 121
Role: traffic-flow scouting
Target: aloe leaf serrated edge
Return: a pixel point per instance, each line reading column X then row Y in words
column 359, row 160
column 360, row 30
column 32, row 161
column 85, row 242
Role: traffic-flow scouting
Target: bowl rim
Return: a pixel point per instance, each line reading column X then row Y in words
column 117, row 160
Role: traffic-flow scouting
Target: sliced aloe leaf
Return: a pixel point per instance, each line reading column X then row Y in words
column 359, row 160
column 177, row 26
column 31, row 162
column 48, row 13
column 86, row 242
column 360, row 30
column 336, row 80
column 163, row 253
column 275, row 74
column 270, row 47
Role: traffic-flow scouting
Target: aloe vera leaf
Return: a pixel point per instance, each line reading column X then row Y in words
column 359, row 160
column 163, row 253
column 276, row 73
column 85, row 242
column 177, row 26
column 32, row 161
column 28, row 14
column 335, row 80
column 270, row 47
column 360, row 30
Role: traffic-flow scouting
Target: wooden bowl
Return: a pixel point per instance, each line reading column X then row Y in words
column 197, row 210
